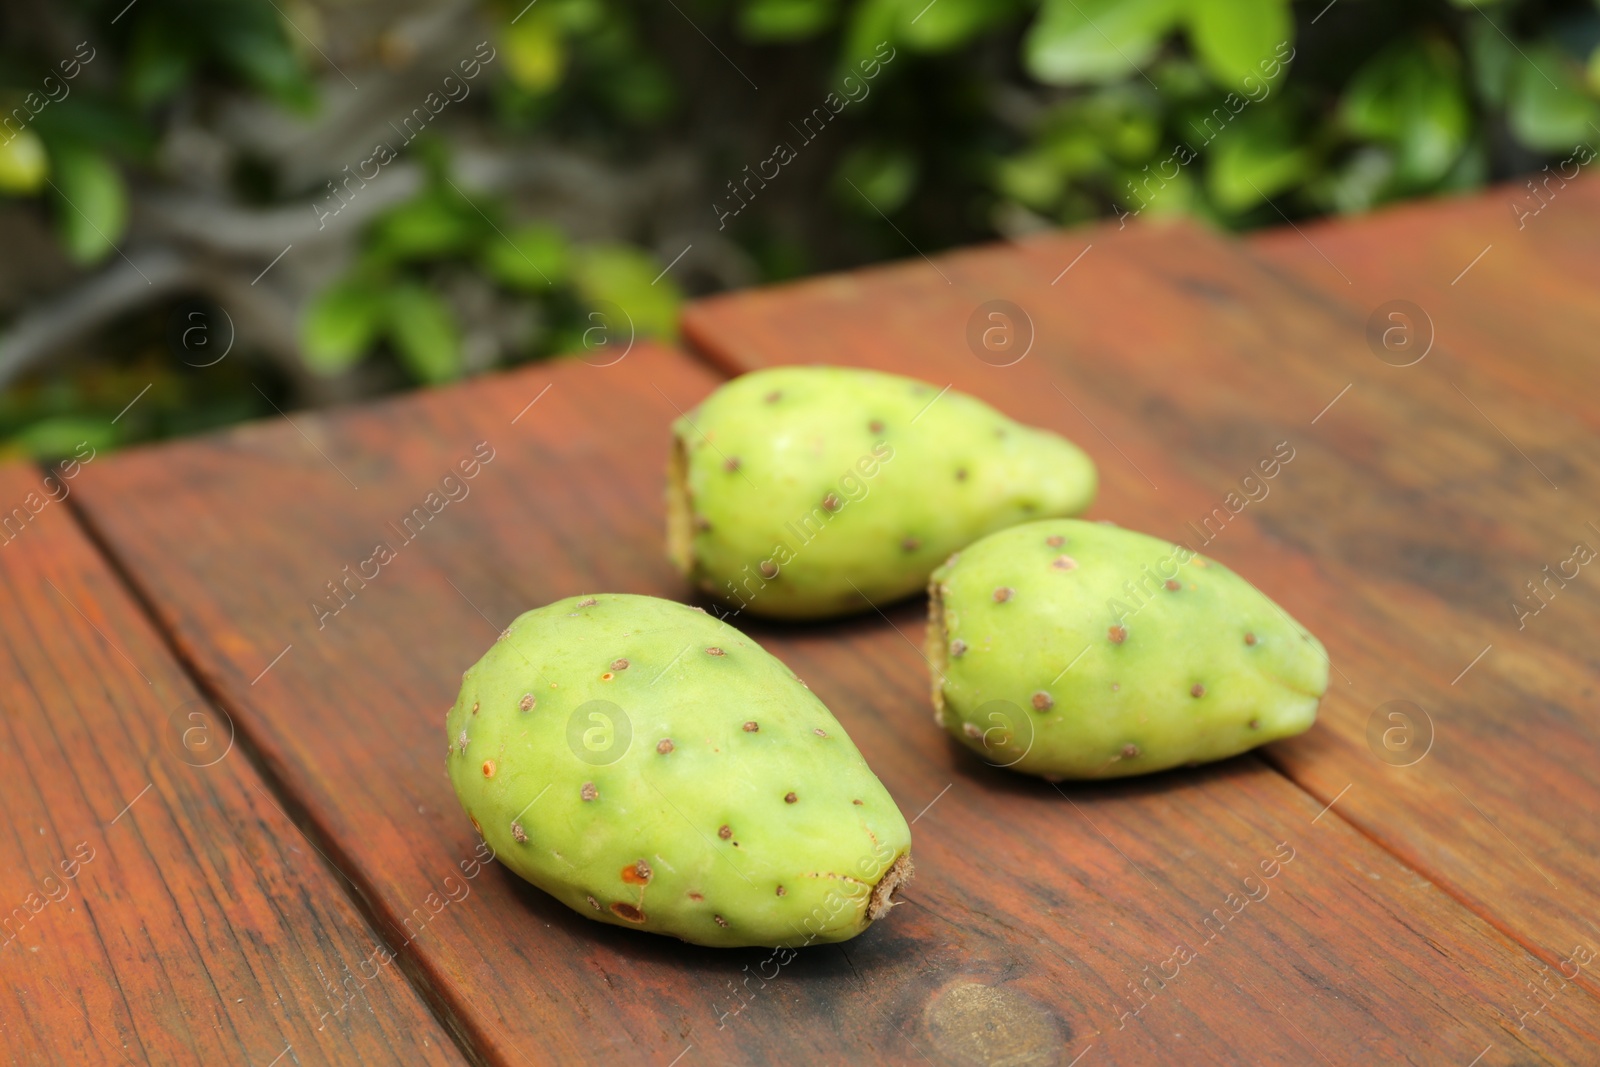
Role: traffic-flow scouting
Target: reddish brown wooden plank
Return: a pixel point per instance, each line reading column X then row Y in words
column 1508, row 290
column 1034, row 914
column 159, row 906
column 1400, row 533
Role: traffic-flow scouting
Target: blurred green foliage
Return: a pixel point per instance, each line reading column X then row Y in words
column 993, row 115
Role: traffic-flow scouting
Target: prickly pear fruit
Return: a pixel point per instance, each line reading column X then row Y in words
column 652, row 767
column 803, row 492
column 1074, row 649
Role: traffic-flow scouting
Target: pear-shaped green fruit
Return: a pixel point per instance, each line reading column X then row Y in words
column 652, row 767
column 806, row 492
column 1074, row 649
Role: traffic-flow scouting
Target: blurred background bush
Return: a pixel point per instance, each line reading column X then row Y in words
column 211, row 209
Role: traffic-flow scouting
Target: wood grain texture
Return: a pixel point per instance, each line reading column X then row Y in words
column 159, row 907
column 1419, row 502
column 1035, row 914
column 1504, row 285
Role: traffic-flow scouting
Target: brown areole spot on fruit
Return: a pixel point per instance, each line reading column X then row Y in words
column 1197, row 690
column 1003, row 594
column 1043, row 701
column 588, row 792
column 637, row 873
column 527, row 702
column 1130, row 751
column 910, row 544
column 715, row 651
column 1173, row 584
column 619, row 664
column 731, row 464
column 518, row 834
column 768, row 569
column 1064, row 563
column 720, row 921
column 593, row 903
column 832, row 502
column 789, row 798
column 1055, row 540
column 1249, row 639
column 627, row 911
column 664, row 745
column 724, row 831
column 1117, row 634
column 752, row 727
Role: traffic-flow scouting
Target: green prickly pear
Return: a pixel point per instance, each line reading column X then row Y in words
column 652, row 767
column 1073, row 649
column 804, row 492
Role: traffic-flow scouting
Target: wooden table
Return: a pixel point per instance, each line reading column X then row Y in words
column 236, row 748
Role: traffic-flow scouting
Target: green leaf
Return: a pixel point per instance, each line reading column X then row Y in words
column 23, row 164
column 1357, row 184
column 341, row 325
column 868, row 30
column 530, row 257
column 1240, row 41
column 1163, row 190
column 641, row 91
column 578, row 16
column 884, row 175
column 1412, row 97
column 1260, row 155
column 626, row 277
column 940, row 25
column 100, row 122
column 93, row 203
column 1548, row 107
column 1032, row 179
column 535, row 54
column 1489, row 60
column 61, row 436
column 435, row 224
column 785, row 20
column 251, row 39
column 424, row 333
column 1077, row 41
column 160, row 61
